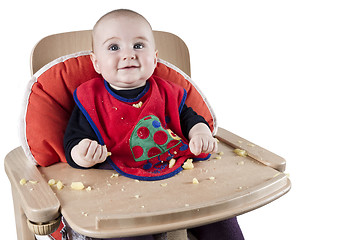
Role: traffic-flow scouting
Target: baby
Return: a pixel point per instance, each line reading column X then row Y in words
column 124, row 53
column 142, row 120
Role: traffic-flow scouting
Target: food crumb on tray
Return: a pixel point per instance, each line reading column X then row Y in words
column 195, row 181
column 240, row 152
column 23, row 181
column 188, row 164
column 77, row 185
column 59, row 185
column 52, row 182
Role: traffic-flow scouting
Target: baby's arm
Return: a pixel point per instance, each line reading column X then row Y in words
column 87, row 153
column 201, row 140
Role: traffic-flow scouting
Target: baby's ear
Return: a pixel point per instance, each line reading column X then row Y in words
column 95, row 62
column 156, row 57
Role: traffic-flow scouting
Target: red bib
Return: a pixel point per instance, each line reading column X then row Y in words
column 143, row 134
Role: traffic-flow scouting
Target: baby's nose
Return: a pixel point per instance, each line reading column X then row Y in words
column 129, row 55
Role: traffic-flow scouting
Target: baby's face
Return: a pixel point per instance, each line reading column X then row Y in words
column 124, row 51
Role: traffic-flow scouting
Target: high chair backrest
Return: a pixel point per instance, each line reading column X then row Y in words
column 171, row 48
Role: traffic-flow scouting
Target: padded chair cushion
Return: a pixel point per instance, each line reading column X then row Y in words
column 49, row 103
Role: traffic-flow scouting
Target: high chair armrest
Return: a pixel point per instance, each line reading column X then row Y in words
column 37, row 200
column 258, row 153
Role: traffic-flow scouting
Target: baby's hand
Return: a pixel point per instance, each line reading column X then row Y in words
column 201, row 140
column 87, row 153
column 203, row 143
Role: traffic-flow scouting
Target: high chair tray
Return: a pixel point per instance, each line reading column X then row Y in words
column 113, row 206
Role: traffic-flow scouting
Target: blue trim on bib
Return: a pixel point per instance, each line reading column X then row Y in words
column 87, row 116
column 182, row 103
column 147, row 86
column 141, row 178
column 202, row 159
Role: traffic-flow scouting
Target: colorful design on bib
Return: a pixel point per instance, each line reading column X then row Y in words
column 149, row 140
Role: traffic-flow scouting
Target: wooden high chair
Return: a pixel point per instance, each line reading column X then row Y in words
column 117, row 206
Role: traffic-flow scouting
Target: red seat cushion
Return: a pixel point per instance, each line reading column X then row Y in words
column 49, row 103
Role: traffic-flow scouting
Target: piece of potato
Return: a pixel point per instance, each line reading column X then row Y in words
column 195, row 181
column 188, row 164
column 59, row 185
column 240, row 152
column 172, row 163
column 77, row 185
column 23, row 181
column 52, row 182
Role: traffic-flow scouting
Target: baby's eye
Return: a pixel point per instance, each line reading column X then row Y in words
column 114, row 47
column 138, row 46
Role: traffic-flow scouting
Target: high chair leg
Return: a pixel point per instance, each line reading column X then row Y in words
column 22, row 230
column 174, row 235
column 177, row 235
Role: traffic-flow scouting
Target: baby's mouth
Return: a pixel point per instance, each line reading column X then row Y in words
column 128, row 68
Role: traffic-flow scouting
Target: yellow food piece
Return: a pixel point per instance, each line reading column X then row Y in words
column 172, row 163
column 163, row 184
column 188, row 164
column 59, row 185
column 52, row 182
column 108, row 154
column 212, row 178
column 88, row 189
column 138, row 105
column 195, row 181
column 240, row 152
column 114, row 175
column 23, row 181
column 77, row 185
column 33, row 181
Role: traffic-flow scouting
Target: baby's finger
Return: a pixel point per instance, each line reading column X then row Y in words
column 104, row 154
column 195, row 147
column 97, row 154
column 211, row 146
column 214, row 147
column 91, row 151
column 205, row 146
column 83, row 146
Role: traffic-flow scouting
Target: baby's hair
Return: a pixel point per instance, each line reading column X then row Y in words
column 120, row 12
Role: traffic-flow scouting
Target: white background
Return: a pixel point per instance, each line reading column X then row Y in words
column 282, row 74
